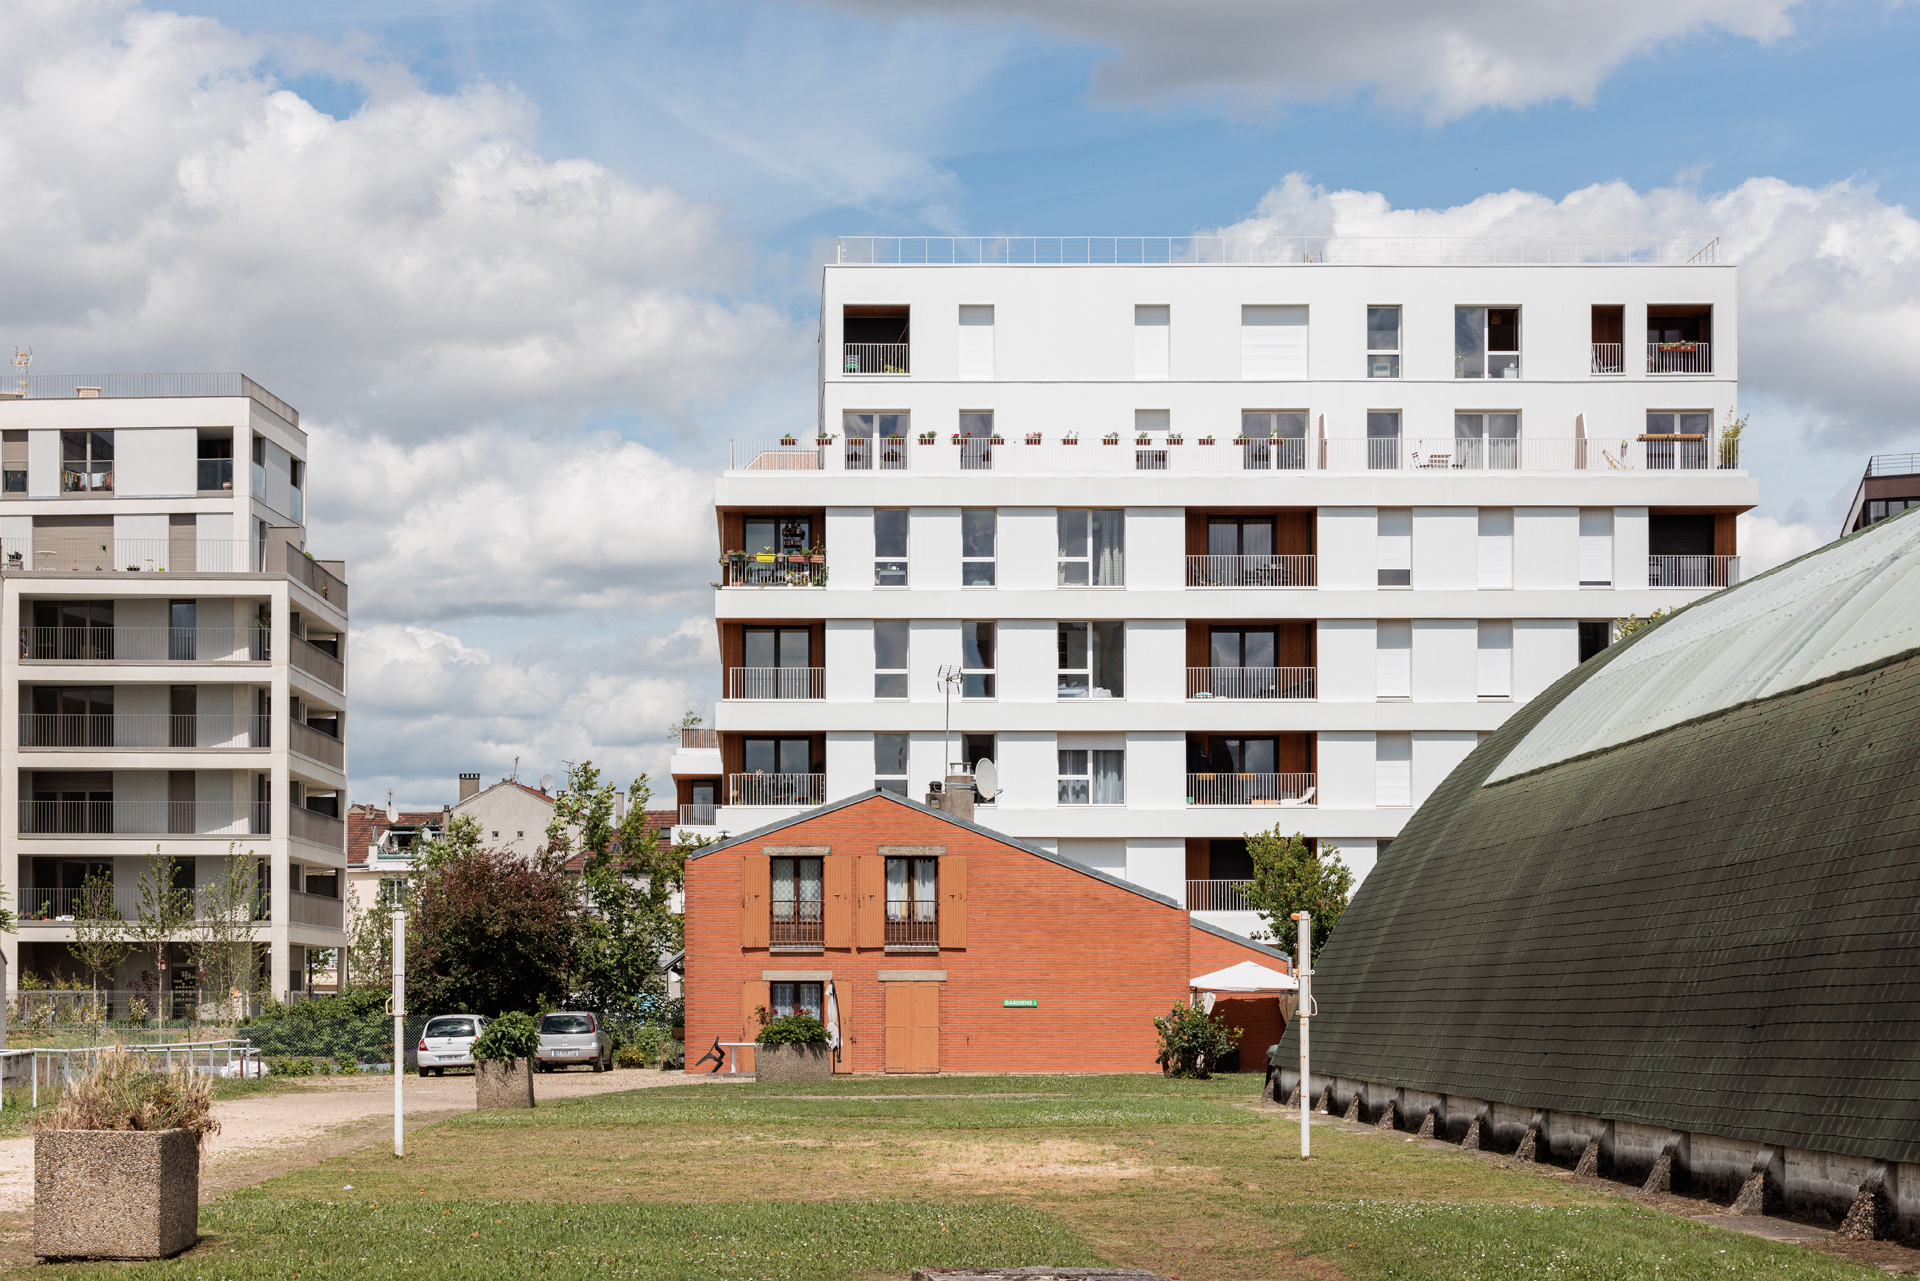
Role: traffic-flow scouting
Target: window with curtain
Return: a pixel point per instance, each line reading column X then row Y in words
column 1092, row 547
column 1486, row 441
column 978, row 546
column 797, row 902
column 797, row 998
column 890, row 762
column 1092, row 659
column 890, row 547
column 913, row 904
column 890, row 642
column 976, row 659
column 1092, row 776
column 1383, row 342
column 1273, row 438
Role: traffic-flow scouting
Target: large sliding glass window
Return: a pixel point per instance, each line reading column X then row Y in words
column 1486, row 342
column 1093, row 547
column 1093, row 660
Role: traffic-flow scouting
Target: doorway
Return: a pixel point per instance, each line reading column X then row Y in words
column 913, row 1027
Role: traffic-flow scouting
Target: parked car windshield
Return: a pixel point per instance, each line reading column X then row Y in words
column 450, row 1027
column 559, row 1024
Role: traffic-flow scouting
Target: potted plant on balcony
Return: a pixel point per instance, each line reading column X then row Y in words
column 503, row 1062
column 1175, row 438
column 789, row 440
column 1204, row 440
column 1142, row 439
column 792, row 1048
column 926, row 438
column 116, row 1165
column 1033, row 438
column 1111, row 438
column 1070, row 438
column 823, row 439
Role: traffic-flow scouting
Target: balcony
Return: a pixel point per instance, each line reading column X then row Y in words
column 1289, row 790
column 317, row 828
column 912, row 926
column 1250, row 571
column 60, row 905
column 697, row 739
column 1218, row 896
column 134, row 730
column 698, row 815
column 1608, row 358
column 143, row 818
column 1679, row 358
column 776, row 682
column 317, row 745
column 740, row 569
column 322, row 910
column 150, row 555
column 776, row 789
column 799, row 925
column 322, row 582
column 1693, row 571
column 1250, row 682
column 143, row 644
column 316, row 662
column 215, row 475
column 877, row 358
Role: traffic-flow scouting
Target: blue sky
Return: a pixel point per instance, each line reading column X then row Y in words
column 526, row 266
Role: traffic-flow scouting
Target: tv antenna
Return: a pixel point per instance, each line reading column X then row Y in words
column 22, row 362
column 950, row 678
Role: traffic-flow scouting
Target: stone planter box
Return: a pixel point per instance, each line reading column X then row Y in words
column 503, row 1085
column 793, row 1063
column 115, row 1194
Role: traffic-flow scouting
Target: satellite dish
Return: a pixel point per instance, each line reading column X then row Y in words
column 393, row 815
column 986, row 778
column 546, row 782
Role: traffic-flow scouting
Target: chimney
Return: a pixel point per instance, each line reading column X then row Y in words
column 469, row 786
column 619, row 806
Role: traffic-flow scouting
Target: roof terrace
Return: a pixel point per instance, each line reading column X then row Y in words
column 138, row 386
column 1272, row 251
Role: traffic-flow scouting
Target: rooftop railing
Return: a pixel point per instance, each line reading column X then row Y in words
column 1280, row 250
column 1893, row 465
column 137, row 386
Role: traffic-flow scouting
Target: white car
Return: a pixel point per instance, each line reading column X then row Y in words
column 447, row 1041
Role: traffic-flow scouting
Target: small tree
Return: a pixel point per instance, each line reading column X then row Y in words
column 1625, row 627
column 222, row 940
column 1193, row 1042
column 1289, row 877
column 688, row 720
column 163, row 912
column 99, row 931
column 495, row 931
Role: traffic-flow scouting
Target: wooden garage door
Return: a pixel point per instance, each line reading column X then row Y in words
column 913, row 1027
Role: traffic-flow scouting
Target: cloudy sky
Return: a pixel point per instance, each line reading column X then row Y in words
column 524, row 267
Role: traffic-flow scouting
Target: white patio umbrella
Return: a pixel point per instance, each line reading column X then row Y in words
column 1248, row 976
column 833, row 1020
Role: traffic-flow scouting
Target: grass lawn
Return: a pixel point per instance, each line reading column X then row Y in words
column 868, row 1178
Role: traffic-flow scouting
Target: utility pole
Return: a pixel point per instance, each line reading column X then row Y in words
column 1304, row 1013
column 399, row 1003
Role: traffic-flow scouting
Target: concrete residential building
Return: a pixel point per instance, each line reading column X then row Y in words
column 180, row 681
column 1890, row 485
column 1208, row 534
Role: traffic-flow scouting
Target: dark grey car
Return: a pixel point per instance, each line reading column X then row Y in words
column 568, row 1037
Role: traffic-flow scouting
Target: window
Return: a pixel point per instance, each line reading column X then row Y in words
column 1092, row 547
column 776, row 662
column 913, row 903
column 392, row 894
column 1393, row 659
column 1679, row 339
column 877, row 339
column 976, row 659
column 796, row 998
column 13, row 462
column 1244, row 663
column 1596, row 546
column 976, row 341
column 215, row 463
column 979, row 527
column 890, row 547
column 1093, row 660
column 1496, row 548
column 1094, row 777
column 975, row 748
column 1383, row 342
column 976, row 440
column 260, row 466
column 1394, row 547
column 1383, row 439
column 864, row 433
column 182, row 630
column 1273, row 342
column 297, row 474
column 1393, row 769
column 890, row 638
column 777, row 756
column 86, row 461
column 1680, row 438
column 799, row 919
column 1595, row 635
column 1486, row 441
column 1494, row 668
column 1273, row 438
column 1486, row 342
column 1879, row 509
column 1608, row 325
column 1152, row 328
column 890, row 762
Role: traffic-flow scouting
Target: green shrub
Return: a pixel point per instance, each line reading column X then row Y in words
column 794, row 1029
column 514, row 1035
column 290, row 1065
column 353, row 1027
column 629, row 1056
column 1192, row 1042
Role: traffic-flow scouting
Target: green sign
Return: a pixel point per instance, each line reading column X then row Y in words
column 1023, row 1003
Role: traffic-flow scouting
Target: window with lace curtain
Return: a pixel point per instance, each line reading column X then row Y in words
column 913, row 905
column 1093, row 547
column 799, row 921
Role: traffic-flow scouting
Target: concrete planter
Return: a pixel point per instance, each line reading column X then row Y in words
column 115, row 1194
column 507, row 1084
column 792, row 1063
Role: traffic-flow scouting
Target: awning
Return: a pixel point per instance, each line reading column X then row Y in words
column 1248, row 976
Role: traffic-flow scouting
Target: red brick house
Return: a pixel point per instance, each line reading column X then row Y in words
column 945, row 946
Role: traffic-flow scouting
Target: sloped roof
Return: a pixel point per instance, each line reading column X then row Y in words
column 1712, row 926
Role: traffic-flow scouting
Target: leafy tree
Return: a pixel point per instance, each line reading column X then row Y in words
column 688, row 720
column 1625, row 627
column 1288, row 877
column 369, row 950
column 491, row 931
column 99, row 931
column 628, row 881
column 222, row 940
column 163, row 911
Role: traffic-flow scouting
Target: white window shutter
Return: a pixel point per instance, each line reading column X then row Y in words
column 1394, row 547
column 976, row 342
column 1393, row 659
column 1495, row 667
column 1496, row 548
column 1152, row 350
column 1393, row 769
column 1596, row 546
column 1273, row 342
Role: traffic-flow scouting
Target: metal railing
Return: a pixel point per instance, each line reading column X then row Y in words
column 1250, row 789
column 315, row 909
column 757, row 570
column 142, row 729
column 134, row 386
column 1893, row 465
column 316, row 662
column 1280, row 250
column 912, row 926
column 1679, row 358
column 1250, row 682
column 57, row 1067
column 144, row 818
column 1693, row 571
column 877, row 358
column 303, row 569
column 776, row 453
column 695, row 738
column 798, row 923
column 776, row 682
column 318, row 745
column 1250, row 571
column 1274, row 453
column 885, row 453
column 1608, row 358
column 1218, row 896
column 62, row 904
column 320, row 829
column 776, row 789
column 209, row 556
column 698, row 815
column 140, row 644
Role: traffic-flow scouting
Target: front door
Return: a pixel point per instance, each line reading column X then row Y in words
column 913, row 1027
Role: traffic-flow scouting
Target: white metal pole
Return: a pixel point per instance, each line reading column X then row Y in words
column 399, row 1030
column 1305, row 1014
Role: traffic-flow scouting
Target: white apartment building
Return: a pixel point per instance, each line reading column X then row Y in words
column 180, row 679
column 1213, row 535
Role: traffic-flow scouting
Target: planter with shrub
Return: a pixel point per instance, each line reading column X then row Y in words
column 793, row 1048
column 1194, row 1043
column 503, row 1062
column 116, row 1164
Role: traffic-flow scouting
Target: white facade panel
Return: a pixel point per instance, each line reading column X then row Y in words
column 1157, row 661
column 933, row 643
column 933, row 548
column 1029, row 543
column 1156, row 548
column 1629, row 548
column 1544, row 650
column 155, row 462
column 1495, row 548
column 849, row 763
column 1393, row 657
column 1159, row 864
column 1152, row 342
column 1443, row 660
column 1346, row 769
column 850, row 548
column 1344, row 545
column 848, row 677
column 1348, row 667
column 1028, row 771
column 43, row 464
column 1546, row 547
column 1446, row 548
column 1156, row 771
column 1029, row 661
column 975, row 359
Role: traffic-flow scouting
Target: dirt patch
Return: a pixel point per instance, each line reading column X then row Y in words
column 997, row 1163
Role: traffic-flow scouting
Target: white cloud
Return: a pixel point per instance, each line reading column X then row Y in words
column 1446, row 60
column 1765, row 542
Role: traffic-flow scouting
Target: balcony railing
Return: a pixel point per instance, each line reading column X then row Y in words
column 308, row 572
column 1250, row 682
column 1608, row 358
column 1250, row 571
column 315, row 909
column 912, row 926
column 116, row 644
column 757, row 570
column 215, row 475
column 695, row 738
column 318, row 828
column 317, row 744
column 776, row 789
column 1679, row 358
column 1218, row 896
column 884, row 453
column 798, row 925
column 877, row 358
column 142, row 729
column 143, row 818
column 188, row 556
column 1693, row 571
column 1250, row 789
column 316, row 662
column 698, row 815
column 775, row 682
column 64, row 904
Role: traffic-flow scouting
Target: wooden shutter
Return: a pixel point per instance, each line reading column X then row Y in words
column 837, row 888
column 756, row 891
column 925, row 1000
column 754, row 996
column 899, row 1049
column 1273, row 342
column 953, row 902
column 870, row 901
